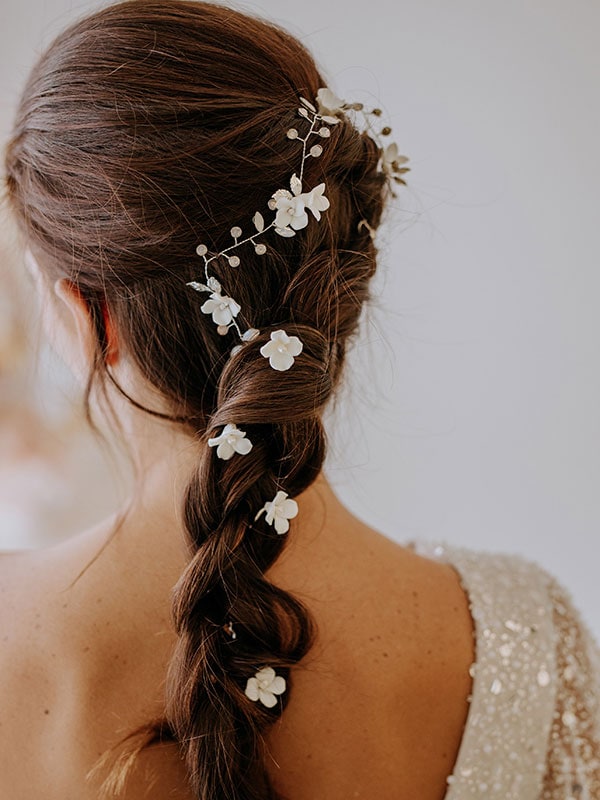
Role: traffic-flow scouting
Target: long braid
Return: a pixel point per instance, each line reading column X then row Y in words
column 224, row 581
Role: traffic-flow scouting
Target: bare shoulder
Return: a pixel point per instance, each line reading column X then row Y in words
column 395, row 635
column 436, row 679
column 23, row 620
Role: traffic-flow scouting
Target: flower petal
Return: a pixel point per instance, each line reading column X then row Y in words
column 251, row 689
column 270, row 515
column 391, row 151
column 299, row 221
column 225, row 451
column 289, row 508
column 265, row 674
column 278, row 685
column 234, row 307
column 294, row 346
column 283, row 217
column 281, row 361
column 222, row 316
column 281, row 525
column 243, row 446
column 267, row 699
column 328, row 99
column 208, row 306
column 269, row 348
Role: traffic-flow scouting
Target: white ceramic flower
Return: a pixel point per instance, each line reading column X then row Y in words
column 223, row 309
column 231, row 440
column 316, row 201
column 291, row 212
column 329, row 104
column 281, row 350
column 264, row 686
column 391, row 160
column 279, row 511
column 291, row 206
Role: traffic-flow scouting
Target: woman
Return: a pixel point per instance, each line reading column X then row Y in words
column 202, row 264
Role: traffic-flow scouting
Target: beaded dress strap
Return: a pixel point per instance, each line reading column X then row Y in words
column 503, row 751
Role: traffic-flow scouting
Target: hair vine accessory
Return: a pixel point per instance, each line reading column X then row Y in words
column 291, row 206
column 390, row 160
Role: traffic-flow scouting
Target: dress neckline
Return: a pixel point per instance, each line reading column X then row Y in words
column 502, row 753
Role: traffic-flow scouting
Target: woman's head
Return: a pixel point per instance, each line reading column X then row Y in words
column 144, row 129
column 149, row 127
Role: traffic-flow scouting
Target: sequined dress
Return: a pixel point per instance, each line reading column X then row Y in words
column 533, row 727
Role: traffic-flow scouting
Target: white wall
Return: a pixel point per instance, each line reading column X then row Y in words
column 484, row 426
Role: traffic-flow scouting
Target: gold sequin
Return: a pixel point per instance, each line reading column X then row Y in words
column 533, row 728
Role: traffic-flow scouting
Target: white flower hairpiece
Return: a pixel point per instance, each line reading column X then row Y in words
column 231, row 440
column 330, row 105
column 279, row 511
column 223, row 309
column 264, row 686
column 291, row 206
column 281, row 350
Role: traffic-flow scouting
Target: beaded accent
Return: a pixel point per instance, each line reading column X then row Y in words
column 573, row 768
column 533, row 727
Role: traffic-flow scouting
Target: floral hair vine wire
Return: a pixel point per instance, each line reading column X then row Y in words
column 290, row 207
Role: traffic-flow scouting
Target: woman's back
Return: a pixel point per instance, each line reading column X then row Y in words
column 379, row 703
column 439, row 672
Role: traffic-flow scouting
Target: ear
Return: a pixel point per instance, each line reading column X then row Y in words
column 79, row 329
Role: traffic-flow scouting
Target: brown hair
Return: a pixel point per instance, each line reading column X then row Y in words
column 145, row 128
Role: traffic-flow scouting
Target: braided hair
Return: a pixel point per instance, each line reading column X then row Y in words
column 144, row 128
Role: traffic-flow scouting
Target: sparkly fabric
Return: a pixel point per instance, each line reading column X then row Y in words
column 533, row 727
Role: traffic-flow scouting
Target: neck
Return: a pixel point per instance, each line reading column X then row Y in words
column 153, row 532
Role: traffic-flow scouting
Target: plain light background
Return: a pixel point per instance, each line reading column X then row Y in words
column 474, row 414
